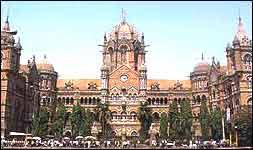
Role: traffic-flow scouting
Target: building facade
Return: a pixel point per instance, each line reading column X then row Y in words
column 19, row 85
column 124, row 85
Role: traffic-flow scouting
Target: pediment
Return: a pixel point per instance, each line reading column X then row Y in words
column 132, row 90
column 115, row 79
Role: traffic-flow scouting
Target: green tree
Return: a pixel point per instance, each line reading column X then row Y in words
column 76, row 119
column 86, row 122
column 40, row 123
column 145, row 118
column 172, row 118
column 186, row 119
column 163, row 126
column 58, row 122
column 216, row 123
column 104, row 117
column 204, row 119
column 244, row 123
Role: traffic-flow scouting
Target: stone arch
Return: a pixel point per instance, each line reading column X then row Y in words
column 134, row 133
column 85, row 100
column 249, row 101
column 203, row 97
column 114, row 115
column 155, row 117
column 149, row 101
column 81, row 100
column 93, row 115
column 133, row 115
column 98, row 100
column 153, row 101
column 89, row 100
column 194, row 100
column 198, row 99
column 123, row 115
column 71, row 101
column 114, row 134
column 63, row 100
column 179, row 100
column 165, row 100
column 247, row 59
column 67, row 100
column 157, row 101
column 59, row 99
column 93, row 100
column 161, row 101
column 68, row 133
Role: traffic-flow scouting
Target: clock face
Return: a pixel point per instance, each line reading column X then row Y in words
column 124, row 78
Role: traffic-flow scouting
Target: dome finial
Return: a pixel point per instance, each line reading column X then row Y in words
column 240, row 19
column 123, row 16
column 6, row 25
column 45, row 56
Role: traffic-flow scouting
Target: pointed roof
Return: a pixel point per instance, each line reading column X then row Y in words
column 6, row 26
column 241, row 35
column 45, row 65
column 202, row 66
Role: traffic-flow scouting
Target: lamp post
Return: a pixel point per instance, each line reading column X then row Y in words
column 236, row 137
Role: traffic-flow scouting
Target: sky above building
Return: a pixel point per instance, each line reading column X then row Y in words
column 178, row 32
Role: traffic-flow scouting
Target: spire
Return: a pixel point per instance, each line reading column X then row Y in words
column 202, row 56
column 105, row 39
column 123, row 16
column 6, row 24
column 45, row 56
column 18, row 45
column 240, row 19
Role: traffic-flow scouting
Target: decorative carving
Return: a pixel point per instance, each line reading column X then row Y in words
column 155, row 86
column 178, row 86
column 92, row 86
column 69, row 85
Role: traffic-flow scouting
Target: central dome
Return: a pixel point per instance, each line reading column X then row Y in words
column 45, row 65
column 124, row 30
column 202, row 67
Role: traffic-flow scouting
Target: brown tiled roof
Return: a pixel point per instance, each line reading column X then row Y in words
column 165, row 84
column 82, row 84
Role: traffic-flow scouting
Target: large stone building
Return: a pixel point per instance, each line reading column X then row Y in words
column 124, row 82
column 19, row 85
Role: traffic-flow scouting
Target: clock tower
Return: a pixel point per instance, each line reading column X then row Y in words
column 123, row 77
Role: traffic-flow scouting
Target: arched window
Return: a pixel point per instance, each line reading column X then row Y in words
column 63, row 100
column 117, row 96
column 71, row 101
column 157, row 101
column 165, row 101
column 98, row 100
column 81, row 101
column 247, row 59
column 149, row 101
column 156, row 117
column 161, row 101
column 250, row 104
column 85, row 100
column 94, row 100
column 153, row 101
column 67, row 101
column 89, row 100
column 59, row 99
column 198, row 99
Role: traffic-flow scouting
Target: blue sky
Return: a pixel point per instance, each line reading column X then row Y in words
column 177, row 32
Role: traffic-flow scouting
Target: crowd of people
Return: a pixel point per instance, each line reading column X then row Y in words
column 94, row 143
